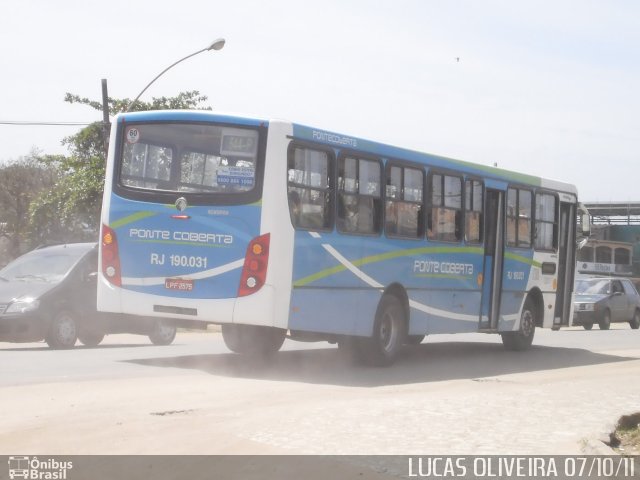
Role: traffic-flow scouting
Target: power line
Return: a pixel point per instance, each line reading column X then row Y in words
column 36, row 123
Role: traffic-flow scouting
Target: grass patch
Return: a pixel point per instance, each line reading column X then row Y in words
column 626, row 438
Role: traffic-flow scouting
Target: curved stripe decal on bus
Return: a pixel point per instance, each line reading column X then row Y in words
column 353, row 268
column 521, row 259
column 214, row 272
column 382, row 257
column 404, row 253
column 132, row 218
column 412, row 303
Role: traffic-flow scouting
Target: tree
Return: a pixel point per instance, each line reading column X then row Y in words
column 21, row 181
column 70, row 211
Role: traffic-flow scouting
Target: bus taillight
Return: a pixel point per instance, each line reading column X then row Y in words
column 110, row 256
column 254, row 271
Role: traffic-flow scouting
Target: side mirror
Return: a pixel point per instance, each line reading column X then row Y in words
column 586, row 224
column 617, row 294
column 585, row 220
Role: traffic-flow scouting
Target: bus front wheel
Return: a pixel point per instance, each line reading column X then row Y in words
column 253, row 339
column 523, row 337
column 389, row 334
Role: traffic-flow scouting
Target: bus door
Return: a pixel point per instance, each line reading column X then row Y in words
column 493, row 259
column 566, row 263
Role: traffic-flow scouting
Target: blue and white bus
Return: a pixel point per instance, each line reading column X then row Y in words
column 272, row 229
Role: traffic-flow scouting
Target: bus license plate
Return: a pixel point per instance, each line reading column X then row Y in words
column 178, row 284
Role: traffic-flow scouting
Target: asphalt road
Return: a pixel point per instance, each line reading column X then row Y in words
column 453, row 394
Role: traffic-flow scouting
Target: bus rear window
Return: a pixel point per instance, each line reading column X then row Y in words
column 190, row 158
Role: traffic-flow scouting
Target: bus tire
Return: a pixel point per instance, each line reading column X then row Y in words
column 587, row 326
column 605, row 322
column 63, row 331
column 389, row 333
column 635, row 321
column 90, row 339
column 162, row 334
column 414, row 339
column 523, row 337
column 253, row 339
column 349, row 348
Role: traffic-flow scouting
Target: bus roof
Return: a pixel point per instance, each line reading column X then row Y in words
column 337, row 140
column 333, row 139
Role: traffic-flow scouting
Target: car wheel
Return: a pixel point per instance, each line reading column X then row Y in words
column 162, row 334
column 63, row 331
column 635, row 321
column 587, row 326
column 90, row 339
column 605, row 321
column 523, row 338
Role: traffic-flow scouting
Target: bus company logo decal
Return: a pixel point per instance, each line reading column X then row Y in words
column 208, row 238
column 33, row 468
column 428, row 266
column 335, row 139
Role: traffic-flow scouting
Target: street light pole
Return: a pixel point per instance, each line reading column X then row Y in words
column 215, row 45
column 105, row 116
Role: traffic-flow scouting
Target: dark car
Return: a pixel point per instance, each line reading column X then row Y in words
column 50, row 293
column 605, row 300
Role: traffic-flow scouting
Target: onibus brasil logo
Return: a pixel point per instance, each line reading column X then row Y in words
column 35, row 469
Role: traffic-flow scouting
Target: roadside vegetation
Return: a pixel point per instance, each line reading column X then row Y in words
column 47, row 199
column 626, row 437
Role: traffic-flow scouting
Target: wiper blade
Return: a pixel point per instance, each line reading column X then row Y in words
column 38, row 277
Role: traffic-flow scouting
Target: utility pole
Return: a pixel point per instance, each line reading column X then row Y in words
column 106, row 125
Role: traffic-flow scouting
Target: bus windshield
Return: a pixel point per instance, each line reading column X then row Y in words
column 190, row 158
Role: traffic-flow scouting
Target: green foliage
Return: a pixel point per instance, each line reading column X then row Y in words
column 70, row 211
column 191, row 100
column 21, row 182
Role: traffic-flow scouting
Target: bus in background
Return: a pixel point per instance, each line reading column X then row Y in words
column 272, row 229
column 606, row 257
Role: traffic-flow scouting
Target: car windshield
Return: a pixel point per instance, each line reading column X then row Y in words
column 593, row 286
column 41, row 267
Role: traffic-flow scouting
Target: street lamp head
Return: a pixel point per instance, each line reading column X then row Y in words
column 217, row 44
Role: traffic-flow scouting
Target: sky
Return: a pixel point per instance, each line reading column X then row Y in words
column 545, row 87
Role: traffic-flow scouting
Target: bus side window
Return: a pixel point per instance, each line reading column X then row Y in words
column 519, row 217
column 473, row 211
column 444, row 221
column 309, row 188
column 403, row 206
column 359, row 196
column 546, row 235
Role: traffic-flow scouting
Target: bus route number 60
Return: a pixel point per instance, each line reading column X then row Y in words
column 133, row 135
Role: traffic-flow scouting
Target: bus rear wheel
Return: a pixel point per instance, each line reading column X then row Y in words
column 523, row 337
column 162, row 333
column 253, row 339
column 89, row 338
column 414, row 339
column 389, row 334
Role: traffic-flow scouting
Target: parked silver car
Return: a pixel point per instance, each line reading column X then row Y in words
column 606, row 300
